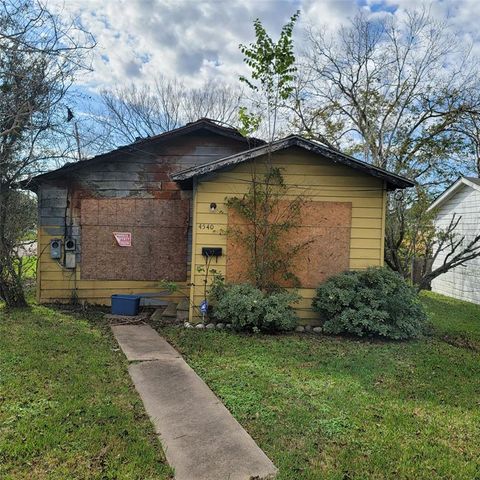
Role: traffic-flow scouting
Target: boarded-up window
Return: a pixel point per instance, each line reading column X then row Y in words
column 159, row 239
column 325, row 231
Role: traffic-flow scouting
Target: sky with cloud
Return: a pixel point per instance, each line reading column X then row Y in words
column 193, row 40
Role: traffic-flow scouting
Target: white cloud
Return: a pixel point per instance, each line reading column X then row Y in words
column 194, row 40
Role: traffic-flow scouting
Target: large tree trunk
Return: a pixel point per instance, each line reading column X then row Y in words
column 11, row 285
column 11, row 291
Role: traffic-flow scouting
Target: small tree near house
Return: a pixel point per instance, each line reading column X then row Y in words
column 267, row 209
column 269, row 216
column 420, row 242
column 272, row 74
column 457, row 251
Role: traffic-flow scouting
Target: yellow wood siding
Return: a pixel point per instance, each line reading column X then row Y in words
column 315, row 178
column 58, row 284
column 305, row 173
column 141, row 174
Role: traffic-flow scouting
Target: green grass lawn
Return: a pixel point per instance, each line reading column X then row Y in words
column 331, row 408
column 321, row 407
column 67, row 406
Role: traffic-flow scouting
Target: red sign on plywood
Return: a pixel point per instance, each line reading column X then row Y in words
column 124, row 239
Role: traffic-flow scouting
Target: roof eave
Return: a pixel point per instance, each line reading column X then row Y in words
column 188, row 128
column 393, row 181
column 451, row 190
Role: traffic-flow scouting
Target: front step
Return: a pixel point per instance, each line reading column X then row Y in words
column 183, row 309
column 170, row 311
column 172, row 314
column 165, row 316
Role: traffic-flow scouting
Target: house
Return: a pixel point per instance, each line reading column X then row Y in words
column 127, row 220
column 462, row 200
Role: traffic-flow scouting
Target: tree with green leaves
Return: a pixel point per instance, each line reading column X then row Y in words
column 266, row 208
column 272, row 72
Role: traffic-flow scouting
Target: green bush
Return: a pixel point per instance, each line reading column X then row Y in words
column 372, row 302
column 248, row 308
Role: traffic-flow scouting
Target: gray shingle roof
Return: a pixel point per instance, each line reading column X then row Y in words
column 393, row 180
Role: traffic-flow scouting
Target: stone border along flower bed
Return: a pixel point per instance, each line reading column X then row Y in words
column 209, row 326
column 228, row 326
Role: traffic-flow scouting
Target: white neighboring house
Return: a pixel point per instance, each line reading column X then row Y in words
column 462, row 199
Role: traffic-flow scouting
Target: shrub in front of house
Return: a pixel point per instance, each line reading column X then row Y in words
column 249, row 309
column 373, row 302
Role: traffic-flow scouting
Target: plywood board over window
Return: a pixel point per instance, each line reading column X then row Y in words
column 324, row 230
column 159, row 239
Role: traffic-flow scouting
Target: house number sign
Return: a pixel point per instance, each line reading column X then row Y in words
column 206, row 226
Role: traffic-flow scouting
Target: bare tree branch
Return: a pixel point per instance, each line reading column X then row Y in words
column 40, row 54
column 401, row 92
column 129, row 113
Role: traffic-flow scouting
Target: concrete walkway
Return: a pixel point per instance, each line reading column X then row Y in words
column 201, row 439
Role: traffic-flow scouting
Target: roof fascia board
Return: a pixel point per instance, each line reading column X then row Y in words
column 165, row 136
column 293, row 140
column 228, row 161
column 451, row 191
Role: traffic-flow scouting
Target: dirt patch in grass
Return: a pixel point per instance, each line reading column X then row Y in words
column 461, row 341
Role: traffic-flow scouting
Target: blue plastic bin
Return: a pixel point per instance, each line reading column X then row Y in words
column 125, row 304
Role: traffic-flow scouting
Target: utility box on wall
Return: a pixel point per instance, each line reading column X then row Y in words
column 70, row 260
column 212, row 252
column 56, row 249
column 70, row 244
